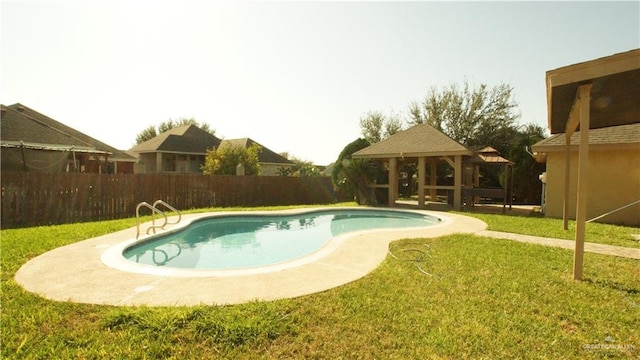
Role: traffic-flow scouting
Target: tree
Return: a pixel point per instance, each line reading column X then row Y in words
column 392, row 125
column 146, row 134
column 371, row 125
column 527, row 187
column 306, row 169
column 284, row 171
column 302, row 168
column 352, row 176
column 225, row 159
column 483, row 116
column 153, row 131
column 376, row 126
column 473, row 117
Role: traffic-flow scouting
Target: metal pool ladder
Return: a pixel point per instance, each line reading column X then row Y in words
column 154, row 210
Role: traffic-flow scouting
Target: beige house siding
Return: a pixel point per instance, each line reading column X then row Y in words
column 169, row 162
column 614, row 181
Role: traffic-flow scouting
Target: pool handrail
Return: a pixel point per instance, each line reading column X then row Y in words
column 163, row 203
column 153, row 219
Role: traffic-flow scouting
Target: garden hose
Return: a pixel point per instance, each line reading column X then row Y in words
column 420, row 256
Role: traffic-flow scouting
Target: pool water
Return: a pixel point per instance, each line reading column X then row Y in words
column 246, row 241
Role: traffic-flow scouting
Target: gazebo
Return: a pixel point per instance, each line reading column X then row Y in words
column 488, row 156
column 425, row 146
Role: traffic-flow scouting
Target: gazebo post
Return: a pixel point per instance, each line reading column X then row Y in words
column 457, row 182
column 421, row 176
column 393, row 181
column 433, row 179
column 505, row 187
column 159, row 162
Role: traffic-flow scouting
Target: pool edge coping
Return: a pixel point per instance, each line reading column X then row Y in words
column 112, row 257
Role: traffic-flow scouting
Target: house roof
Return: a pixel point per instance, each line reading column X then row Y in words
column 23, row 125
column 419, row 140
column 615, row 99
column 265, row 156
column 621, row 136
column 186, row 139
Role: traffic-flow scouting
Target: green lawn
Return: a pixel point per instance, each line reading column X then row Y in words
column 486, row 298
column 545, row 227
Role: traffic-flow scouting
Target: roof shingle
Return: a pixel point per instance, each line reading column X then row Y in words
column 188, row 139
column 21, row 123
column 419, row 140
column 613, row 135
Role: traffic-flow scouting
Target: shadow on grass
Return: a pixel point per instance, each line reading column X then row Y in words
column 613, row 285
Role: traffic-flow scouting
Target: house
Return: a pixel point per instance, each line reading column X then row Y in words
column 603, row 93
column 614, row 173
column 271, row 164
column 184, row 149
column 180, row 149
column 593, row 97
column 31, row 141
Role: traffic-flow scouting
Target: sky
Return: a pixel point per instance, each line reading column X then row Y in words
column 294, row 76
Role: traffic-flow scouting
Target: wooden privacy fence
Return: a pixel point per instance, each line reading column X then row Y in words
column 30, row 199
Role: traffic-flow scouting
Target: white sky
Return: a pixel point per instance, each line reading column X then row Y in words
column 295, row 77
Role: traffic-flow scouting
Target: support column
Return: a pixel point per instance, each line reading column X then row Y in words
column 24, row 159
column 433, row 179
column 421, row 182
column 467, row 177
column 584, row 98
column 505, row 168
column 570, row 128
column 476, row 181
column 393, row 181
column 457, row 182
column 158, row 162
column 567, row 180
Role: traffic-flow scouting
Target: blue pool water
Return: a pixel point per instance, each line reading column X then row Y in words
column 245, row 241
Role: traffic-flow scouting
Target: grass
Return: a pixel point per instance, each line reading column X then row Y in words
column 487, row 298
column 553, row 228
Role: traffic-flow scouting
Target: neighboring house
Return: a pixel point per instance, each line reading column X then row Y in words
column 31, row 141
column 184, row 149
column 605, row 94
column 180, row 149
column 270, row 162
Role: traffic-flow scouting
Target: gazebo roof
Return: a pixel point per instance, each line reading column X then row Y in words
column 489, row 155
column 419, row 140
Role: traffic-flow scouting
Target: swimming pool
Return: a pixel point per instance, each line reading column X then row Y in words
column 94, row 271
column 242, row 242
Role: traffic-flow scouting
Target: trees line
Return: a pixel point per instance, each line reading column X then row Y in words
column 473, row 116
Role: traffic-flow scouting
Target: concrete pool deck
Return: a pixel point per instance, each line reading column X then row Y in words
column 76, row 272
